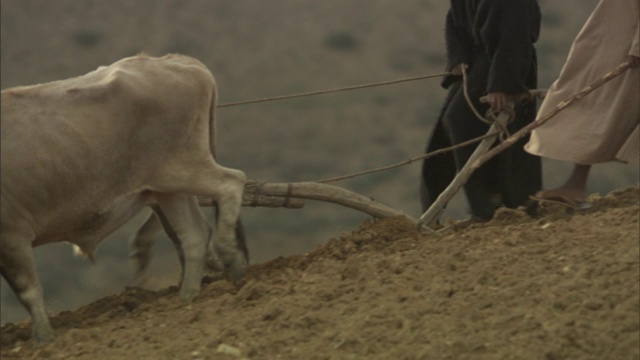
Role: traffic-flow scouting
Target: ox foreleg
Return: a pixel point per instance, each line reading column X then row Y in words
column 17, row 266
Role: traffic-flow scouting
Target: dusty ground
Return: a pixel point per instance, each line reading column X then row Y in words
column 564, row 285
column 260, row 49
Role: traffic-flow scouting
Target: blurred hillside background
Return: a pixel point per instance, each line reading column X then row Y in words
column 259, row 49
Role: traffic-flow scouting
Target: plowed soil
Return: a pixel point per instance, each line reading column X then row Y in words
column 562, row 285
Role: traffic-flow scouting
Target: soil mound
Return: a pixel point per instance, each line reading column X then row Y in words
column 563, row 285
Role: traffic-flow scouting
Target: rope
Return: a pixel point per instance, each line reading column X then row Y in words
column 321, row 92
column 620, row 69
column 410, row 160
column 465, row 89
column 255, row 200
column 490, row 116
column 505, row 142
column 364, row 86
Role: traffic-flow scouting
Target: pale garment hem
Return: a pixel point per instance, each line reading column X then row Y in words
column 571, row 158
column 630, row 150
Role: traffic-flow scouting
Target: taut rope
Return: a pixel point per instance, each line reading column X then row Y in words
column 511, row 139
column 328, row 91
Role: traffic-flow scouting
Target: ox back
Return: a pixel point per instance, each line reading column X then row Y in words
column 82, row 156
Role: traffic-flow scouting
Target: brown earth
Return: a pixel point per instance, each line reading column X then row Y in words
column 563, row 285
column 260, row 49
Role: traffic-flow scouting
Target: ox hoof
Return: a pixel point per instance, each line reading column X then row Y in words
column 44, row 337
column 187, row 294
column 189, row 290
column 214, row 264
column 236, row 268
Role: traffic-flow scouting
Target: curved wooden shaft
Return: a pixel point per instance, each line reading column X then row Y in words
column 436, row 209
column 322, row 192
column 254, row 200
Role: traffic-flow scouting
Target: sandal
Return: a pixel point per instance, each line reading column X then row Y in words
column 556, row 197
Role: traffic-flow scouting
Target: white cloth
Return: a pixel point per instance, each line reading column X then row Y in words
column 605, row 125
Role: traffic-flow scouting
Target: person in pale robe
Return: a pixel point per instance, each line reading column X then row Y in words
column 604, row 126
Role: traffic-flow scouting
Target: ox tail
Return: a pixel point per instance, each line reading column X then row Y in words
column 212, row 122
column 240, row 236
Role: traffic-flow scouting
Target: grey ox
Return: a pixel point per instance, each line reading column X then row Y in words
column 80, row 157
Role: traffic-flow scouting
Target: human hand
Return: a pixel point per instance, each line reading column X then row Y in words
column 497, row 100
column 457, row 70
column 633, row 60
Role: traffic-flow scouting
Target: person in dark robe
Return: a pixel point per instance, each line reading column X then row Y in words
column 494, row 41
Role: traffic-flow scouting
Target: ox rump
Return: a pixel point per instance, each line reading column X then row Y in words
column 82, row 156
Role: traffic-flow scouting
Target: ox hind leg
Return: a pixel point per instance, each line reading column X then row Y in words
column 224, row 186
column 141, row 244
column 17, row 266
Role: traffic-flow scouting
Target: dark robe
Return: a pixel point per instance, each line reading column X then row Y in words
column 495, row 38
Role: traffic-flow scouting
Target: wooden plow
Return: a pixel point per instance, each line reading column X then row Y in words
column 485, row 151
column 503, row 118
column 293, row 195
